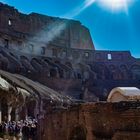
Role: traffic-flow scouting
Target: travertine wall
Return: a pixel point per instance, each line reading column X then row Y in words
column 93, row 121
column 58, row 52
column 41, row 34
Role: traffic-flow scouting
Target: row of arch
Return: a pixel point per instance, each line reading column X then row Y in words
column 65, row 69
column 117, row 72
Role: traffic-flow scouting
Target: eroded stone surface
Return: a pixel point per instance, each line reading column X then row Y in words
column 93, row 122
column 60, row 54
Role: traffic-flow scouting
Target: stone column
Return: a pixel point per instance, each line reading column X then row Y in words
column 9, row 112
column 36, row 110
column 26, row 113
column 17, row 114
column 0, row 113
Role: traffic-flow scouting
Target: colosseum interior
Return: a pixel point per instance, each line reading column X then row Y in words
column 50, row 70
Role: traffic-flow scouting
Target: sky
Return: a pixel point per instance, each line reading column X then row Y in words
column 110, row 29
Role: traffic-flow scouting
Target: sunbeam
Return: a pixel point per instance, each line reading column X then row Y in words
column 75, row 12
column 115, row 5
column 52, row 31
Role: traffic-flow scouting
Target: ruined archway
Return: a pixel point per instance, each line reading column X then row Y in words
column 31, row 105
column 53, row 72
column 125, row 74
column 36, row 64
column 4, row 108
column 135, row 69
column 78, row 133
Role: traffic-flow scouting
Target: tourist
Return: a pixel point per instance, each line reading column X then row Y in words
column 25, row 130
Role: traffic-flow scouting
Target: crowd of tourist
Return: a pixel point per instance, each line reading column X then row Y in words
column 21, row 130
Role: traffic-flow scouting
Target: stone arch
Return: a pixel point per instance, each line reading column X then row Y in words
column 26, row 66
column 92, row 73
column 123, row 67
column 45, row 69
column 135, row 69
column 28, row 108
column 8, row 104
column 36, row 59
column 78, row 133
column 15, row 65
column 66, row 70
column 36, row 64
column 101, row 71
column 53, row 72
column 61, row 69
column 55, row 69
column 85, row 71
column 112, row 67
column 24, row 57
column 4, row 62
column 69, row 64
column 31, row 106
column 78, row 70
column 114, row 72
column 70, row 71
column 124, row 71
column 57, row 62
column 13, row 55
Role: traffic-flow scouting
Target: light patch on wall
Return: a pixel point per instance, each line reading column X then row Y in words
column 109, row 56
column 9, row 22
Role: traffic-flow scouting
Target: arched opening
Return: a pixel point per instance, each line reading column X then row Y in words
column 100, row 69
column 36, row 64
column 123, row 67
column 125, row 74
column 4, row 110
column 78, row 71
column 78, row 133
column 115, row 72
column 57, row 62
column 13, row 115
column 61, row 69
column 13, row 55
column 43, row 49
column 135, row 69
column 6, row 43
column 27, row 68
column 68, row 64
column 31, row 109
column 24, row 57
column 9, row 103
column 4, row 61
column 53, row 72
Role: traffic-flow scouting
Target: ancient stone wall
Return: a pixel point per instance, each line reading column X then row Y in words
column 83, row 78
column 93, row 121
column 40, row 34
column 32, row 46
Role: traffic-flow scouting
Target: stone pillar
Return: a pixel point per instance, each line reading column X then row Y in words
column 36, row 110
column 17, row 114
column 9, row 112
column 0, row 113
column 41, row 106
column 26, row 112
column 85, row 94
